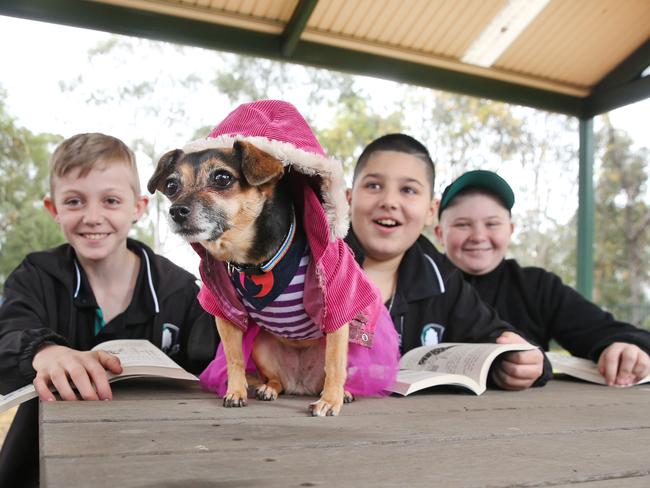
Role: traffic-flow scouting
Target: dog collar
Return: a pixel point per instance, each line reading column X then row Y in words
column 275, row 259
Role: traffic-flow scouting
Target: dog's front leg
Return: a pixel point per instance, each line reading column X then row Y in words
column 231, row 338
column 336, row 364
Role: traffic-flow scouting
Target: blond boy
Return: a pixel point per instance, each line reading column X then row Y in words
column 100, row 285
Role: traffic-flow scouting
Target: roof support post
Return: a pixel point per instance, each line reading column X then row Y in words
column 586, row 209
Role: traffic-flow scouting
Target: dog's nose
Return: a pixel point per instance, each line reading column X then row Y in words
column 179, row 213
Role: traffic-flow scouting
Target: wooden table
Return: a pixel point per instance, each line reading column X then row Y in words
column 567, row 434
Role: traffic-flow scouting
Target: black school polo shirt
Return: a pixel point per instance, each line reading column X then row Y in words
column 132, row 323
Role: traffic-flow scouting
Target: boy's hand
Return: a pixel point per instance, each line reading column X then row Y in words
column 63, row 367
column 518, row 370
column 623, row 364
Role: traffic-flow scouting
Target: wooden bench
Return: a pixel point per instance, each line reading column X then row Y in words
column 160, row 435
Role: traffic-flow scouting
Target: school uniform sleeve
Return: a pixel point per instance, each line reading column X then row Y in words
column 578, row 325
column 23, row 327
column 469, row 318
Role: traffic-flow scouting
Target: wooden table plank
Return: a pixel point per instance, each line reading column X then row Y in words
column 564, row 434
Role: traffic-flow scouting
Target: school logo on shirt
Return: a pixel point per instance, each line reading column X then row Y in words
column 170, row 336
column 432, row 334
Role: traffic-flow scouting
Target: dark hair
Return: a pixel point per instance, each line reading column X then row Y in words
column 398, row 143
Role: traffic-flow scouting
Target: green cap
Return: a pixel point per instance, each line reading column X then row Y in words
column 480, row 179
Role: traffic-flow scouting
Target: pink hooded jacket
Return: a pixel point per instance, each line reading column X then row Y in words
column 336, row 289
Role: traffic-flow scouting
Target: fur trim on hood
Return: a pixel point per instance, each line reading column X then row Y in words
column 277, row 128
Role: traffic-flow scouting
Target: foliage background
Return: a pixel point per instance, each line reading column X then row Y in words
column 158, row 96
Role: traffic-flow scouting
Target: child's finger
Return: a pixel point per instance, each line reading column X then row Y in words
column 610, row 368
column 60, row 381
column 641, row 368
column 100, row 379
column 534, row 356
column 507, row 382
column 42, row 388
column 79, row 377
column 520, row 371
column 109, row 362
column 627, row 362
column 508, row 337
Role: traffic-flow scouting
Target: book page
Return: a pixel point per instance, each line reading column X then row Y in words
column 137, row 352
column 472, row 360
column 139, row 358
column 17, row 397
column 580, row 368
column 411, row 380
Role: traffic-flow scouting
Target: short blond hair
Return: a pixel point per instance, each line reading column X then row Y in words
column 90, row 151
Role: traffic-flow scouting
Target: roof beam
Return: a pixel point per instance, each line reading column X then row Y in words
column 433, row 77
column 140, row 23
column 296, row 25
column 628, row 70
column 134, row 22
column 616, row 97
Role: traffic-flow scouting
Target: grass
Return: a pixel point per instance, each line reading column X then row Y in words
column 5, row 422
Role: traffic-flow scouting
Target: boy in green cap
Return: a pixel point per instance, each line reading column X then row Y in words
column 475, row 228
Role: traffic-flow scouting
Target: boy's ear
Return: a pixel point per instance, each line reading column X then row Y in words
column 431, row 212
column 348, row 195
column 140, row 207
column 51, row 208
column 437, row 230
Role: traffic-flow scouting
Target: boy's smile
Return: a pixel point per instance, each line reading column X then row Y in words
column 96, row 211
column 387, row 224
column 475, row 231
column 95, row 237
column 390, row 203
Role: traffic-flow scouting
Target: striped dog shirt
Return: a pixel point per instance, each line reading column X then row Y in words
column 285, row 316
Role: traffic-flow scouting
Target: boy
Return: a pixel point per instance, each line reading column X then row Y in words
column 391, row 201
column 99, row 286
column 475, row 229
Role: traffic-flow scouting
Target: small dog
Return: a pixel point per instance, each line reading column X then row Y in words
column 236, row 204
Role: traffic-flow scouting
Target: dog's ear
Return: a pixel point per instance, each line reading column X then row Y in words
column 257, row 166
column 165, row 166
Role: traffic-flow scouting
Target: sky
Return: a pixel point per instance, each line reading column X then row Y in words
column 42, row 55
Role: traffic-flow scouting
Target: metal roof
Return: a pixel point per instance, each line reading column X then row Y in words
column 579, row 57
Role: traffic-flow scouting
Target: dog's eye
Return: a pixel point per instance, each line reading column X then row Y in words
column 171, row 188
column 222, row 179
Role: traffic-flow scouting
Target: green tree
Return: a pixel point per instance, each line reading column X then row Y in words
column 533, row 150
column 25, row 226
column 355, row 123
column 335, row 104
column 622, row 227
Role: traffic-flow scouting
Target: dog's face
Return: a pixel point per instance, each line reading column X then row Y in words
column 217, row 195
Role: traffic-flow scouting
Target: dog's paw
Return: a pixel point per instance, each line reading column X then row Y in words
column 323, row 407
column 234, row 400
column 266, row 393
column 348, row 397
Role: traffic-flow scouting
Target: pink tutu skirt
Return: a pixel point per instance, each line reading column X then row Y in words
column 371, row 370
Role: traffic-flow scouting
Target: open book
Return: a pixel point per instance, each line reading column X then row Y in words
column 457, row 364
column 580, row 368
column 139, row 358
